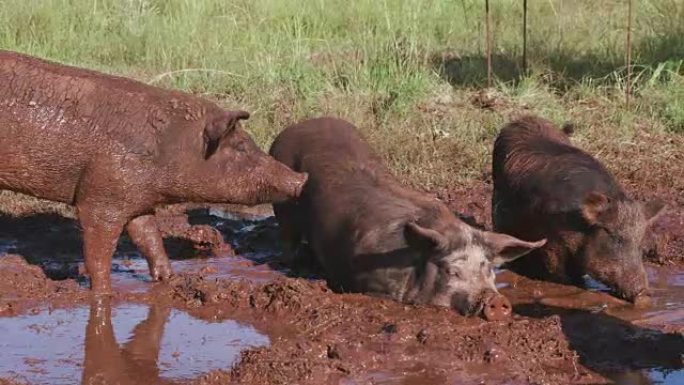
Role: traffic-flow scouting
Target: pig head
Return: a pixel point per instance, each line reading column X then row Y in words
column 226, row 166
column 611, row 251
column 456, row 267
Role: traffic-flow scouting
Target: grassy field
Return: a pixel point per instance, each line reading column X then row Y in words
column 409, row 73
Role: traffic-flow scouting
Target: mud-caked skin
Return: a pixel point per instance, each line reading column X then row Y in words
column 546, row 187
column 375, row 236
column 116, row 148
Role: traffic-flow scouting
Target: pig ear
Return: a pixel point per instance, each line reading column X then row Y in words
column 424, row 238
column 506, row 248
column 217, row 128
column 653, row 209
column 594, row 205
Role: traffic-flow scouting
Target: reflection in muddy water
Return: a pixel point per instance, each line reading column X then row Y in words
column 158, row 345
column 648, row 377
column 607, row 331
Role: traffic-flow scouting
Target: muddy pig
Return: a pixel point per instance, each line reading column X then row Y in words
column 116, row 148
column 373, row 235
column 546, row 187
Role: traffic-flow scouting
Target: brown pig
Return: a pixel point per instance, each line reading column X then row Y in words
column 117, row 148
column 546, row 187
column 373, row 235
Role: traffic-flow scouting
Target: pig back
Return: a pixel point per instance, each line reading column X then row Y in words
column 57, row 120
column 540, row 178
column 350, row 205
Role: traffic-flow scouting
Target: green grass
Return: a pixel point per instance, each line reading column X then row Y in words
column 404, row 71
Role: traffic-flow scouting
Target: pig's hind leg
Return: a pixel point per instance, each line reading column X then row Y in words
column 145, row 234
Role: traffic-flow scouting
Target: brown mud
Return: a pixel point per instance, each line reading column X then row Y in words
column 241, row 317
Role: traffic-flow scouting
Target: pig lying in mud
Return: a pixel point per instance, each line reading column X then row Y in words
column 375, row 236
column 546, row 187
column 116, row 148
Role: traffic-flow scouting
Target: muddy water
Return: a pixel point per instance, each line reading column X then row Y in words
column 123, row 344
column 595, row 321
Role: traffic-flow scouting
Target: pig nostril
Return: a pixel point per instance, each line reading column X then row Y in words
column 497, row 308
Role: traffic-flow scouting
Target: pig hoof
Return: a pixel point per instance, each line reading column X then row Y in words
column 161, row 273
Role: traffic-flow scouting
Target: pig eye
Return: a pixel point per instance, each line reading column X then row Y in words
column 617, row 239
column 241, row 146
column 454, row 272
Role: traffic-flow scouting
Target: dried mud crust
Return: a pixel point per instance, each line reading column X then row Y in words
column 326, row 338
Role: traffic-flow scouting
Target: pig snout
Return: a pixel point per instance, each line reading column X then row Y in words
column 632, row 285
column 298, row 185
column 290, row 186
column 496, row 307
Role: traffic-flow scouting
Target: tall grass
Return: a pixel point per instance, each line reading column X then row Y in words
column 404, row 70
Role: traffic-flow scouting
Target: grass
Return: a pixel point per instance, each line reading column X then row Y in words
column 409, row 73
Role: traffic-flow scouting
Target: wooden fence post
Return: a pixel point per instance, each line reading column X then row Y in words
column 628, row 88
column 489, row 45
column 524, row 53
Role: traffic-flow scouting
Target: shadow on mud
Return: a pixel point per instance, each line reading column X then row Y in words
column 258, row 240
column 54, row 243
column 617, row 349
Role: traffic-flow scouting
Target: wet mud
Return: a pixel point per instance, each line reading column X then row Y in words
column 238, row 315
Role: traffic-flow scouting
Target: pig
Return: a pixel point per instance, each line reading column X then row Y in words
column 546, row 187
column 116, row 148
column 373, row 235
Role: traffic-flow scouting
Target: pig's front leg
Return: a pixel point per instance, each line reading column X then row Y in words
column 144, row 232
column 101, row 231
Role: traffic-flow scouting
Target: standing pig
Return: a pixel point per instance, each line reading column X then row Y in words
column 116, row 148
column 375, row 236
column 546, row 187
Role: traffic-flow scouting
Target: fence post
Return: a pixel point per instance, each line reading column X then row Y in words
column 489, row 45
column 524, row 53
column 628, row 88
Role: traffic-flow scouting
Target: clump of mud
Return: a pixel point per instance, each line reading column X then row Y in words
column 20, row 281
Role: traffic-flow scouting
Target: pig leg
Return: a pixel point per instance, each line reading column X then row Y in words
column 202, row 236
column 101, row 231
column 290, row 231
column 144, row 233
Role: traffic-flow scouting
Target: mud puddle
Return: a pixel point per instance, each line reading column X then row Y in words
column 665, row 310
column 599, row 326
column 123, row 344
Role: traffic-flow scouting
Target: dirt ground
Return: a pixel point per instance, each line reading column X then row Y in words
column 559, row 335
